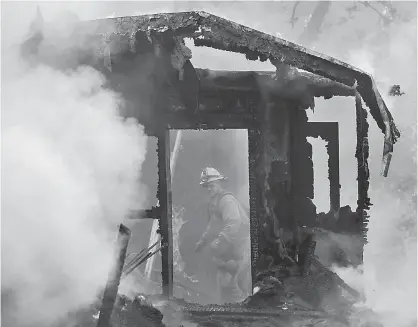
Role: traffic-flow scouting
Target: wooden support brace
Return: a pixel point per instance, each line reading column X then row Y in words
column 165, row 202
column 253, row 162
column 333, row 150
column 362, row 155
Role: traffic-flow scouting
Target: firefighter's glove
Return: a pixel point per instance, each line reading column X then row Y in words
column 199, row 246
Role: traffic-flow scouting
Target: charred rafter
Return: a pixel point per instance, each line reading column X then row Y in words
column 219, row 33
column 298, row 86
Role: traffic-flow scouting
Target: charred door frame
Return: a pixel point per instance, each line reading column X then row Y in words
column 328, row 131
column 207, row 121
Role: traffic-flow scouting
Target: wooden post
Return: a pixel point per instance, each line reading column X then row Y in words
column 298, row 158
column 164, row 198
column 112, row 286
column 255, row 179
column 362, row 155
column 253, row 162
column 333, row 150
column 154, row 235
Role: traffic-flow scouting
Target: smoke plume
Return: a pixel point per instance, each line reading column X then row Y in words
column 70, row 172
column 388, row 278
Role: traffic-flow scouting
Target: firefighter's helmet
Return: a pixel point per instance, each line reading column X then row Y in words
column 209, row 175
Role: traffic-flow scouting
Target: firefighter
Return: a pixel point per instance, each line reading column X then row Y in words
column 228, row 238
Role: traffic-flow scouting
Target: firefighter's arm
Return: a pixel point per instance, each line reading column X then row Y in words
column 205, row 235
column 231, row 216
column 203, row 240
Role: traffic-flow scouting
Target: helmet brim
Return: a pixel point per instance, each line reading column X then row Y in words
column 213, row 179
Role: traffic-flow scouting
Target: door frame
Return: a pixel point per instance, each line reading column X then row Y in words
column 164, row 193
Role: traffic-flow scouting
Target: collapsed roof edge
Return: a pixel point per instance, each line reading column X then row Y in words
column 219, row 33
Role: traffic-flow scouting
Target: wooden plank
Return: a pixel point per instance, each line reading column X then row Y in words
column 206, row 121
column 112, row 286
column 362, row 155
column 334, row 165
column 255, row 198
column 165, row 201
column 153, row 213
column 302, row 82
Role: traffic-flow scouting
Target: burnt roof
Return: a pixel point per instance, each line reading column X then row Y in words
column 219, row 33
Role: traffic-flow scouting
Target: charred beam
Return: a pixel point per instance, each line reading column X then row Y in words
column 294, row 86
column 301, row 156
column 333, row 151
column 112, row 286
column 208, row 121
column 362, row 155
column 254, row 160
column 153, row 213
column 164, row 198
column 225, row 35
column 296, row 185
column 219, row 33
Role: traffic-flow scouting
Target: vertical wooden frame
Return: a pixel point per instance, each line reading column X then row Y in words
column 255, row 194
column 362, row 155
column 333, row 149
column 165, row 218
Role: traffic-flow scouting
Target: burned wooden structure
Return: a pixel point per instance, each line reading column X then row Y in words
column 146, row 60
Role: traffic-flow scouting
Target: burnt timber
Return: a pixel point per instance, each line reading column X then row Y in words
column 212, row 31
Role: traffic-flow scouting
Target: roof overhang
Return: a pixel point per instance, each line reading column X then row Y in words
column 219, row 33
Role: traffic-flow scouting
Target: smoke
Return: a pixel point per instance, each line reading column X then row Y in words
column 70, row 172
column 388, row 278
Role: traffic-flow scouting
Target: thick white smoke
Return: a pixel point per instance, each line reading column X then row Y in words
column 388, row 278
column 70, row 174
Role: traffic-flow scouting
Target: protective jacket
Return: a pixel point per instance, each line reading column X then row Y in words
column 229, row 227
column 228, row 221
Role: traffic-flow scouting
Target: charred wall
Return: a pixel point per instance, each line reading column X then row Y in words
column 302, row 188
column 274, row 175
column 285, row 172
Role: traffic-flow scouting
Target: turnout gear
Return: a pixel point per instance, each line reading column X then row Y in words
column 210, row 175
column 228, row 220
column 229, row 237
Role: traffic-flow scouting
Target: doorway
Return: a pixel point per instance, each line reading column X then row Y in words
column 191, row 152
